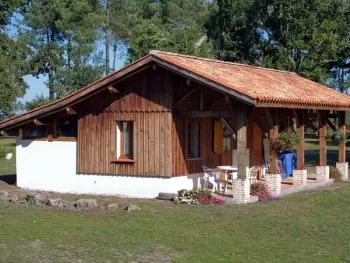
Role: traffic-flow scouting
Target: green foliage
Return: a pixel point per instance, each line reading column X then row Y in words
column 307, row 37
column 63, row 34
column 285, row 142
column 13, row 55
column 164, row 25
column 37, row 102
column 335, row 138
column 334, row 174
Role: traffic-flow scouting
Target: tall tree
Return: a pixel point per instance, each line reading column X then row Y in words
column 62, row 34
column 309, row 37
column 166, row 25
column 13, row 56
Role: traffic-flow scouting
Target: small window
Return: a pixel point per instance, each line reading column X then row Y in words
column 227, row 140
column 125, row 139
column 35, row 132
column 67, row 127
column 193, row 140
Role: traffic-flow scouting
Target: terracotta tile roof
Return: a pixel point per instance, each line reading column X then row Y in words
column 261, row 84
column 255, row 85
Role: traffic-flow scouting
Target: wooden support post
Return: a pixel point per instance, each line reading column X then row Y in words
column 241, row 113
column 322, row 137
column 273, row 133
column 299, row 118
column 342, row 129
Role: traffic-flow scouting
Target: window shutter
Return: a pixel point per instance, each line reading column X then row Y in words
column 218, row 137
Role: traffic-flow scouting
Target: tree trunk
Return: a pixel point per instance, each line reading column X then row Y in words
column 107, row 37
column 114, row 54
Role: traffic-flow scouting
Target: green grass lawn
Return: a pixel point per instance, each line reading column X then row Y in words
column 311, row 227
column 8, row 167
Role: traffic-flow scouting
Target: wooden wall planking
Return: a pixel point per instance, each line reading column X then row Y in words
column 146, row 101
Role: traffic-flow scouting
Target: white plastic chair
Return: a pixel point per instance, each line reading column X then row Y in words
column 210, row 176
column 253, row 174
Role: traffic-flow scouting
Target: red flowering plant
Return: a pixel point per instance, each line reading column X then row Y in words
column 261, row 191
column 285, row 142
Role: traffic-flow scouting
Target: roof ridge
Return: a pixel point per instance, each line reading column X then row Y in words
column 155, row 52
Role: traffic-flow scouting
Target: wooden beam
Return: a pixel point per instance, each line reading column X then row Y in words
column 299, row 118
column 342, row 129
column 185, row 96
column 113, row 90
column 71, row 111
column 209, row 83
column 39, row 123
column 241, row 114
column 273, row 133
column 331, row 125
column 269, row 117
column 201, row 101
column 203, row 114
column 3, row 133
column 188, row 82
column 154, row 67
column 228, row 126
column 322, row 137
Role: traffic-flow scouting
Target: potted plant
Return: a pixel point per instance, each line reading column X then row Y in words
column 335, row 137
column 285, row 142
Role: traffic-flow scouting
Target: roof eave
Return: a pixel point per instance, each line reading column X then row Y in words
column 72, row 99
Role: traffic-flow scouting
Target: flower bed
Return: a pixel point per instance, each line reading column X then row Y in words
column 197, row 196
column 261, row 191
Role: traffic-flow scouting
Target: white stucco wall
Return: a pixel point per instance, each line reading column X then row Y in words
column 52, row 166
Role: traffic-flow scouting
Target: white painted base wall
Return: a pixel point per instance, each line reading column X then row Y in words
column 52, row 166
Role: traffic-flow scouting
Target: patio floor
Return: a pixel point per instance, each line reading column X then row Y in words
column 287, row 188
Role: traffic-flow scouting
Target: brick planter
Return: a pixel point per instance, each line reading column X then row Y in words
column 322, row 173
column 241, row 191
column 343, row 169
column 273, row 182
column 300, row 177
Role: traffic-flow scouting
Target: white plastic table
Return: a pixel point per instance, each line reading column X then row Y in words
column 229, row 169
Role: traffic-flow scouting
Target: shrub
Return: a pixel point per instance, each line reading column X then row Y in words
column 260, row 190
column 335, row 137
column 197, row 196
column 3, row 152
column 334, row 174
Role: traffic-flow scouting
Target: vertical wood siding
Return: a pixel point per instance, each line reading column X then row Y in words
column 145, row 99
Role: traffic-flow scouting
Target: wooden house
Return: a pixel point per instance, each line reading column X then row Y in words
column 148, row 127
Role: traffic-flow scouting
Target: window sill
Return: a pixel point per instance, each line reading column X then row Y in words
column 121, row 160
column 193, row 159
column 73, row 139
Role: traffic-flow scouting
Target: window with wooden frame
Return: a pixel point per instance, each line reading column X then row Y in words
column 66, row 127
column 38, row 132
column 125, row 140
column 193, row 145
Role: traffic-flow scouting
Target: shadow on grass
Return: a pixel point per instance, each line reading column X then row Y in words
column 10, row 179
